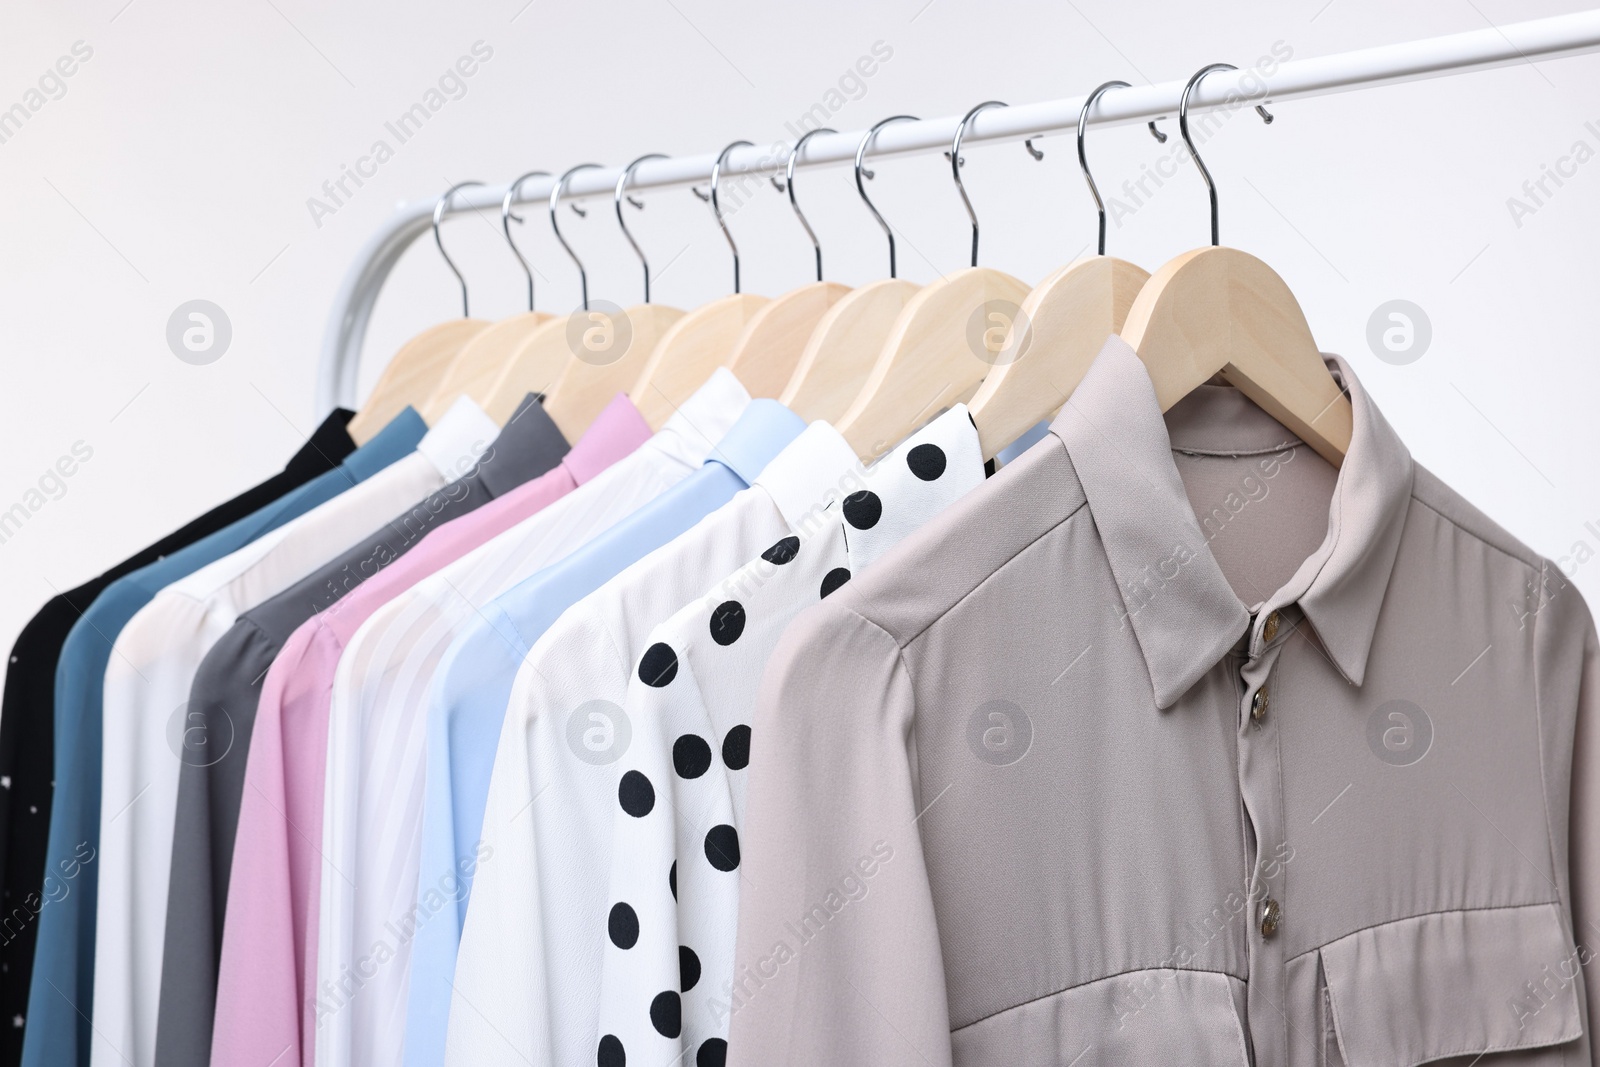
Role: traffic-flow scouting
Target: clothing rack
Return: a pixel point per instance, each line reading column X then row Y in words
column 1520, row 42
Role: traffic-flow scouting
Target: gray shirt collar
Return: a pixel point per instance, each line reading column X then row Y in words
column 1175, row 597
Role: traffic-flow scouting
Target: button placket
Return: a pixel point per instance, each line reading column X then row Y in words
column 1260, row 775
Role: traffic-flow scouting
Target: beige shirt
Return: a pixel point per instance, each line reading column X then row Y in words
column 1133, row 757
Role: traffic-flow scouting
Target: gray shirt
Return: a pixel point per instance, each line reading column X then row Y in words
column 1172, row 744
column 225, row 693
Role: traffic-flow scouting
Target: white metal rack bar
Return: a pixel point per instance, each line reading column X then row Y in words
column 1520, row 42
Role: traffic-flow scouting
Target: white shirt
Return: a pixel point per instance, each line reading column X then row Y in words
column 671, row 912
column 147, row 735
column 528, row 973
column 372, row 799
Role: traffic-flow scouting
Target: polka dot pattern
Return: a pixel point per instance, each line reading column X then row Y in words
column 927, row 461
column 688, row 968
column 727, row 622
column 863, row 510
column 636, row 795
column 782, row 552
column 691, row 756
column 658, row 666
column 611, row 1053
column 736, row 748
column 693, row 737
column 666, row 1013
column 834, row 579
column 622, row 926
column 722, row 847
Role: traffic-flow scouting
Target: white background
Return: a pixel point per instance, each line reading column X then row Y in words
column 179, row 162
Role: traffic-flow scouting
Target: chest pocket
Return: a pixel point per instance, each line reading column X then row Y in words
column 1194, row 1018
column 1498, row 986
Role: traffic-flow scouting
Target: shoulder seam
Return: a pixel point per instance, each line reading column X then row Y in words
column 947, row 609
column 1536, row 564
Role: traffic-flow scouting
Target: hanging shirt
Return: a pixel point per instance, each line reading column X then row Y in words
column 223, row 700
column 667, row 924
column 148, row 733
column 541, row 893
column 473, row 684
column 372, row 819
column 1172, row 743
column 61, row 997
column 27, row 737
column 399, row 644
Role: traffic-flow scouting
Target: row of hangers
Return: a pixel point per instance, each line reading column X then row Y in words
column 879, row 360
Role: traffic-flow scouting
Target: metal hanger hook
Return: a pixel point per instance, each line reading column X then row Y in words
column 438, row 213
column 1083, row 158
column 862, row 172
column 716, row 205
column 622, row 194
column 956, row 161
column 788, row 185
column 1183, row 130
column 556, row 192
column 506, row 217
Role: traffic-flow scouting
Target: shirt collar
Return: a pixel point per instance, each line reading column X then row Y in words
column 615, row 432
column 763, row 430
column 703, row 420
column 1181, row 608
column 529, row 444
column 328, row 444
column 399, row 436
column 910, row 485
column 458, row 438
column 811, row 472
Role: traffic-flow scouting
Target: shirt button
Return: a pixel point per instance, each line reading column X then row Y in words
column 1271, row 917
column 1269, row 629
column 1258, row 705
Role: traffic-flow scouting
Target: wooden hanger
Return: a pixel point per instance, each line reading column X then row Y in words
column 702, row 340
column 1222, row 310
column 536, row 363
column 1063, row 325
column 839, row 354
column 843, row 347
column 412, row 374
column 415, row 371
column 612, row 343
column 938, row 351
column 948, row 337
column 766, row 354
column 693, row 347
column 481, row 361
column 582, row 388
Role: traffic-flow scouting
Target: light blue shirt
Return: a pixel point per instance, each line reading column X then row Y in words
column 61, row 993
column 1016, row 448
column 472, row 689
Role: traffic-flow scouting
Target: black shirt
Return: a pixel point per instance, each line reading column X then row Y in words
column 27, row 721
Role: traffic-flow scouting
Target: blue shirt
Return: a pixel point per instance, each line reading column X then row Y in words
column 1016, row 448
column 61, row 996
column 473, row 688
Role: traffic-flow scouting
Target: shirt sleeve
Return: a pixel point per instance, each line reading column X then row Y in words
column 222, row 709
column 262, row 1003
column 644, row 957
column 528, row 975
column 838, row 957
column 499, row 1013
column 1570, row 674
column 144, row 711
